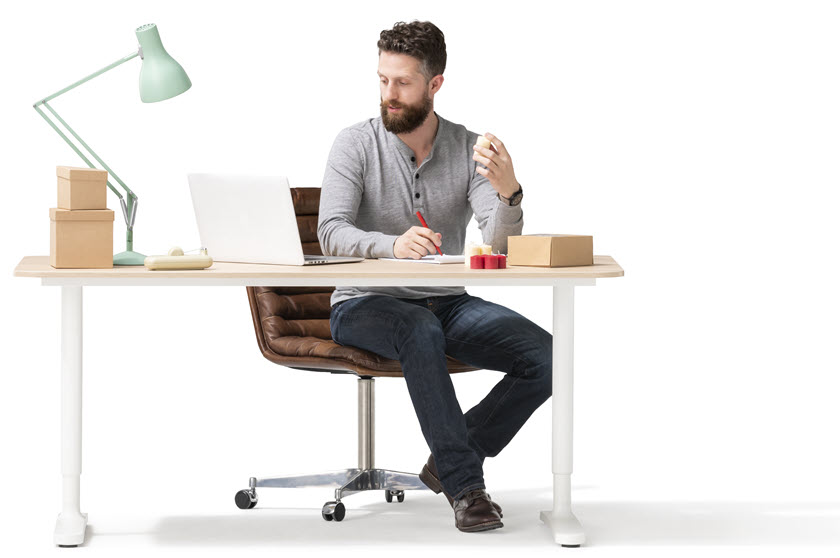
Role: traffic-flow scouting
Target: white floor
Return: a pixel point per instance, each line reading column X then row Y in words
column 423, row 524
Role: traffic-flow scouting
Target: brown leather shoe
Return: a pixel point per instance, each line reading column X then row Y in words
column 429, row 476
column 475, row 512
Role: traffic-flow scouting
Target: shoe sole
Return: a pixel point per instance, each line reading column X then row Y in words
column 482, row 527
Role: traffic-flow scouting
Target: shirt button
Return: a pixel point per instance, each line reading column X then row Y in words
column 412, row 159
column 417, row 175
column 417, row 195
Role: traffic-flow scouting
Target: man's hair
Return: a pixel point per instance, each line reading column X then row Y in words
column 419, row 39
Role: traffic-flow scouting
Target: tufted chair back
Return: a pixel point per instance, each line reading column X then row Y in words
column 293, row 323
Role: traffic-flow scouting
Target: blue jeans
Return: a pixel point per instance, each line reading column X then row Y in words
column 419, row 333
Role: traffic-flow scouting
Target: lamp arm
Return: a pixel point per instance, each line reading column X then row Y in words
column 76, row 149
column 90, row 77
column 130, row 212
column 95, row 156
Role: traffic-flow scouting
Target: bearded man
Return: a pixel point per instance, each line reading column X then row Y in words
column 379, row 173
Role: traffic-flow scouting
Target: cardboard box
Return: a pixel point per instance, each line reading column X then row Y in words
column 81, row 238
column 550, row 250
column 80, row 188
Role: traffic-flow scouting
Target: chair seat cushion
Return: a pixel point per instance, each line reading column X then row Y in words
column 293, row 329
column 332, row 356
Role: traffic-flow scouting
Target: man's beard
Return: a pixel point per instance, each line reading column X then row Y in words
column 408, row 119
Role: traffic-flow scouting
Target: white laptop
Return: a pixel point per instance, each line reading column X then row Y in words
column 250, row 219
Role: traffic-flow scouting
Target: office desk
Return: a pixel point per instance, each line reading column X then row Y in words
column 70, row 527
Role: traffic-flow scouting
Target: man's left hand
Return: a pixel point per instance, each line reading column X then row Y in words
column 499, row 167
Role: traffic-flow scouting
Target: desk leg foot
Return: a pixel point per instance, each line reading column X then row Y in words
column 566, row 528
column 70, row 529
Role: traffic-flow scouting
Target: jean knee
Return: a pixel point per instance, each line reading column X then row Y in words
column 422, row 327
column 542, row 364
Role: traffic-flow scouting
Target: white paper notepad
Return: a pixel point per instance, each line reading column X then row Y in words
column 431, row 259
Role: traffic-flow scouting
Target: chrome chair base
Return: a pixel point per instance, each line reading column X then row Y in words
column 347, row 481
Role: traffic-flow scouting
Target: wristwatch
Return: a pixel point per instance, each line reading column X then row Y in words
column 515, row 199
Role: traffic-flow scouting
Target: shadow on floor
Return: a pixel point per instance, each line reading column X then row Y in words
column 426, row 519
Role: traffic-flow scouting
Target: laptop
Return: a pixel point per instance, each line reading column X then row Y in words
column 250, row 219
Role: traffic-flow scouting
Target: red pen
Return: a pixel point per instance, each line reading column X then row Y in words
column 423, row 222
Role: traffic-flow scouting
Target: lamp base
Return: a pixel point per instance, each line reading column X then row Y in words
column 129, row 257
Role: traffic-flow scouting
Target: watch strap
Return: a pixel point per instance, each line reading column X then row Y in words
column 514, row 199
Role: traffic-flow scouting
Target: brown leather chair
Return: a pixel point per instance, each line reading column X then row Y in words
column 293, row 329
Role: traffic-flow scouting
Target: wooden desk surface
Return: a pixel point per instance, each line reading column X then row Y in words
column 605, row 266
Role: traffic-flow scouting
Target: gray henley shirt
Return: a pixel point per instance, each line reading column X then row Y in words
column 373, row 187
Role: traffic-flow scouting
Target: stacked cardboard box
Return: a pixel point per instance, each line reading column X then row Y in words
column 81, row 227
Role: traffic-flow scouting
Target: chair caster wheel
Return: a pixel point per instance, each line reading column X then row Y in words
column 333, row 511
column 389, row 495
column 245, row 500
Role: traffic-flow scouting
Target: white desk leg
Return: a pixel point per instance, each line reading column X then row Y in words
column 564, row 525
column 70, row 527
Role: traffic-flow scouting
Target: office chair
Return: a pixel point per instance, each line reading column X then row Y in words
column 293, row 329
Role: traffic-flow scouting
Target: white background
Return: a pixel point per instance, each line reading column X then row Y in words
column 697, row 142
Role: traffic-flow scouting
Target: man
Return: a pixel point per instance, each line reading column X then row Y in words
column 379, row 173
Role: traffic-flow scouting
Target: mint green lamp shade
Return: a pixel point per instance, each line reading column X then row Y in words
column 161, row 77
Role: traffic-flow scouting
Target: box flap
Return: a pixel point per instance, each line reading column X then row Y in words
column 79, row 173
column 58, row 214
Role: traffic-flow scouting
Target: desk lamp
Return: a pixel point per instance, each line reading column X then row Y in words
column 161, row 78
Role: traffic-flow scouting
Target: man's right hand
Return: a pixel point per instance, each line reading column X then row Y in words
column 416, row 242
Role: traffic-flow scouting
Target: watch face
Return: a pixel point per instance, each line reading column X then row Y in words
column 514, row 199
